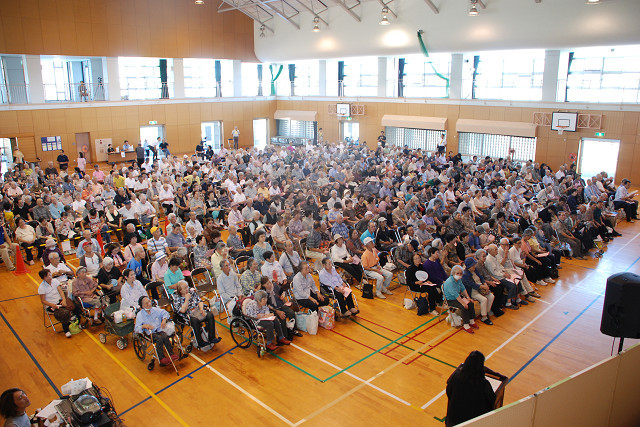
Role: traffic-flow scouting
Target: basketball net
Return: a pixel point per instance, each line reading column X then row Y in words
column 561, row 129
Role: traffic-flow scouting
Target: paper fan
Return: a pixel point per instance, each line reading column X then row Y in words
column 422, row 275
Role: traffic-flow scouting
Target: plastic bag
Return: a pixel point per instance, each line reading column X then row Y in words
column 312, row 323
column 326, row 317
column 409, row 304
column 301, row 321
column 118, row 316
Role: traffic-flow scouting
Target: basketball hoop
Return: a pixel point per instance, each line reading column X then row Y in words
column 561, row 129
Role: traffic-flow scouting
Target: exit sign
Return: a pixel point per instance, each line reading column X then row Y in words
column 600, row 134
column 154, row 122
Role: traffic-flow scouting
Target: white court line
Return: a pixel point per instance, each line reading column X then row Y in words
column 525, row 327
column 352, row 375
column 242, row 390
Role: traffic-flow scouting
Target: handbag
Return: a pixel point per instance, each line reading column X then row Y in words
column 367, row 290
column 423, row 306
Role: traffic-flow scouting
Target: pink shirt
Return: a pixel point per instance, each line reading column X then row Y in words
column 99, row 175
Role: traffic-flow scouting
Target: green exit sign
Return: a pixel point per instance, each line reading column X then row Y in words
column 154, row 122
column 600, row 134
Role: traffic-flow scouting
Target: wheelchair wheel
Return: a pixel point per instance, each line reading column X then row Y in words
column 122, row 343
column 139, row 347
column 241, row 332
column 151, row 365
column 102, row 338
column 188, row 349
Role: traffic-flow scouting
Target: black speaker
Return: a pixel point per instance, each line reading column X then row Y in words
column 621, row 310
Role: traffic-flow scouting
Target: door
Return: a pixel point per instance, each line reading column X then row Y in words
column 6, row 154
column 149, row 137
column 350, row 131
column 212, row 134
column 83, row 145
column 260, row 133
column 597, row 155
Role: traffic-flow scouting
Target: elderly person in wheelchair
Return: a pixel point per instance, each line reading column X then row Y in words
column 190, row 310
column 258, row 311
column 280, row 306
column 152, row 323
column 332, row 284
column 87, row 291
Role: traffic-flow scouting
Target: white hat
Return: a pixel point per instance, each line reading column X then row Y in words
column 368, row 240
column 368, row 213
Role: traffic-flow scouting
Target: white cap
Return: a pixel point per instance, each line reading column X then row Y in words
column 367, row 240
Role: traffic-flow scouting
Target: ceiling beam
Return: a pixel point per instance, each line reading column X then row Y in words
column 308, row 9
column 432, row 6
column 387, row 6
column 281, row 14
column 243, row 6
column 481, row 3
column 348, row 9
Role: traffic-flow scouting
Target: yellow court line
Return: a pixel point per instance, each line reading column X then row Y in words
column 131, row 374
column 137, row 380
column 367, row 382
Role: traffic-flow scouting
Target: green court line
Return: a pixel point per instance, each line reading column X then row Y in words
column 403, row 345
column 378, row 351
column 440, row 419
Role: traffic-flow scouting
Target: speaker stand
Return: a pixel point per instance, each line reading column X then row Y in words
column 620, row 344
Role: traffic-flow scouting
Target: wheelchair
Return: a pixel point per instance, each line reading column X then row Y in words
column 184, row 330
column 144, row 346
column 245, row 330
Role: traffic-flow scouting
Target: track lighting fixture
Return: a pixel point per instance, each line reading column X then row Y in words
column 384, row 20
column 316, row 24
column 473, row 8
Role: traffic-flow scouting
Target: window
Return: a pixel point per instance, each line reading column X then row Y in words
column 497, row 146
column 295, row 128
column 307, row 78
column 361, row 76
column 250, row 80
column 603, row 75
column 511, row 75
column 140, row 78
column 425, row 139
column 200, row 78
column 421, row 78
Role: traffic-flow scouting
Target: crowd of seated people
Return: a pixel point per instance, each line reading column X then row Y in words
column 493, row 229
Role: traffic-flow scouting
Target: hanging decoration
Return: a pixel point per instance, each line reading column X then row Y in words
column 273, row 79
column 423, row 47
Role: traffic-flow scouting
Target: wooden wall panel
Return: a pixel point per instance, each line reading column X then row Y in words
column 158, row 28
column 182, row 123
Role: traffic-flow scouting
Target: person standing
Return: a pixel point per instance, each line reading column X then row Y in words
column 140, row 154
column 442, row 145
column 235, row 133
column 18, row 157
column 82, row 162
column 470, row 393
column 382, row 139
column 63, row 161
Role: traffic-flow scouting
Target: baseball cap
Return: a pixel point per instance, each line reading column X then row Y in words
column 367, row 240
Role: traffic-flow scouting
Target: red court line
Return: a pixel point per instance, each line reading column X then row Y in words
column 427, row 351
column 362, row 344
column 413, row 337
column 383, row 327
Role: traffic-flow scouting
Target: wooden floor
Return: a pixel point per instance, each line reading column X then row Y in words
column 388, row 366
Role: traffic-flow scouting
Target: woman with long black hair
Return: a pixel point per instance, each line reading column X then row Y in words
column 470, row 393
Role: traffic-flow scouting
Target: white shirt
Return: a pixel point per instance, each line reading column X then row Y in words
column 60, row 268
column 166, row 194
column 50, row 291
column 131, row 294
column 268, row 268
column 145, row 208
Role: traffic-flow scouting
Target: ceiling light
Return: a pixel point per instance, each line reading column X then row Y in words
column 385, row 20
column 593, row 1
column 473, row 10
column 199, row 1
column 262, row 31
column 316, row 26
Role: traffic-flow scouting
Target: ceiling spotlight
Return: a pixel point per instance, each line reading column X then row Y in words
column 316, row 25
column 473, row 10
column 384, row 20
column 199, row 1
column 262, row 28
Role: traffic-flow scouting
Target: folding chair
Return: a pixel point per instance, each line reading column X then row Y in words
column 240, row 263
column 163, row 296
column 47, row 320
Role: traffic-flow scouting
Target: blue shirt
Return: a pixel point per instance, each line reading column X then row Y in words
column 435, row 270
column 2, row 236
column 56, row 209
column 136, row 266
column 154, row 317
column 367, row 234
column 452, row 288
